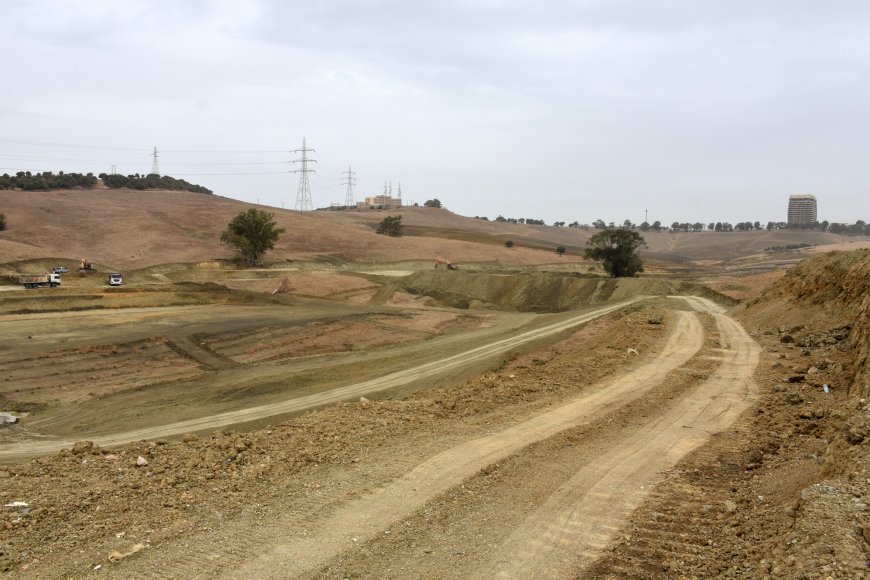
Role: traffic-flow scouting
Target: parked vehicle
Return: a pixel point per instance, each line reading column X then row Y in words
column 60, row 270
column 51, row 280
column 115, row 279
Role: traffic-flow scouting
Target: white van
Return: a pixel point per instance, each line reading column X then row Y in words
column 115, row 279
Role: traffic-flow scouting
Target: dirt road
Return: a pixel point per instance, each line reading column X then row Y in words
column 362, row 519
column 22, row 449
column 587, row 512
column 563, row 534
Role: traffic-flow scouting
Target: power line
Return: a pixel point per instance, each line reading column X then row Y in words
column 135, row 149
column 172, row 163
column 349, row 181
column 242, row 173
column 70, row 146
column 225, row 151
column 303, row 192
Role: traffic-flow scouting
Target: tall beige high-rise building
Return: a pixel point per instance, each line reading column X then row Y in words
column 801, row 209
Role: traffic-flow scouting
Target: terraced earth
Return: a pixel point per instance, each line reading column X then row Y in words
column 443, row 431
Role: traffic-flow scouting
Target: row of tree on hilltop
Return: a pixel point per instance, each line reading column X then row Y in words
column 150, row 181
column 860, row 227
column 46, row 180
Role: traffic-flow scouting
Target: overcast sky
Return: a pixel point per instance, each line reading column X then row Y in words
column 566, row 110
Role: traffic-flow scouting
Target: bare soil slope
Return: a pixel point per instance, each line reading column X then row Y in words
column 133, row 229
column 785, row 493
column 826, row 293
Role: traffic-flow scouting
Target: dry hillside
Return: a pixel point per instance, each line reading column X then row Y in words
column 123, row 229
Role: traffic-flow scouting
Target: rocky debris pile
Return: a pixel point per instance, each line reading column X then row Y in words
column 829, row 295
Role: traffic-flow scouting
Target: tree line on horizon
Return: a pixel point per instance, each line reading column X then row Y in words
column 47, row 180
column 860, row 227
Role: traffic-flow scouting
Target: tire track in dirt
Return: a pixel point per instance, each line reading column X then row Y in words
column 349, row 392
column 585, row 514
column 189, row 347
column 302, row 551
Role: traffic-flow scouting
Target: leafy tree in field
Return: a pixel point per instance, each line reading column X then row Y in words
column 252, row 233
column 560, row 250
column 599, row 224
column 391, row 226
column 617, row 250
column 509, row 243
column 2, row 222
column 432, row 203
column 644, row 227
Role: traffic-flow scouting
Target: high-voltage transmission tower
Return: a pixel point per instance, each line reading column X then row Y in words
column 155, row 167
column 349, row 180
column 400, row 194
column 303, row 192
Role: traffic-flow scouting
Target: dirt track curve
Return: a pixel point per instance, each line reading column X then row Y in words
column 43, row 446
column 564, row 533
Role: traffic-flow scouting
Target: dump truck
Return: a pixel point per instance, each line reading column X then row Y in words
column 40, row 280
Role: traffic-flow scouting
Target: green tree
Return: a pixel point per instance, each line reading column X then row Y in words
column 252, row 233
column 391, row 226
column 509, row 243
column 432, row 203
column 2, row 222
column 560, row 250
column 617, row 250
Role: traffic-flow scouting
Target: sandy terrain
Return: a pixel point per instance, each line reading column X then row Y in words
column 709, row 419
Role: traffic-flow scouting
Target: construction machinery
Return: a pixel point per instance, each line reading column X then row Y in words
column 38, row 280
column 445, row 262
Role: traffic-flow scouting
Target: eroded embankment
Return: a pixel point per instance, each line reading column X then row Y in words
column 537, row 291
column 821, row 298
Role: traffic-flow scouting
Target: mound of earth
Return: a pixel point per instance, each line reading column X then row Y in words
column 528, row 292
column 786, row 493
column 822, row 301
column 539, row 291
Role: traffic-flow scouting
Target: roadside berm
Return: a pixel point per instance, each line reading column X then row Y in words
column 785, row 494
